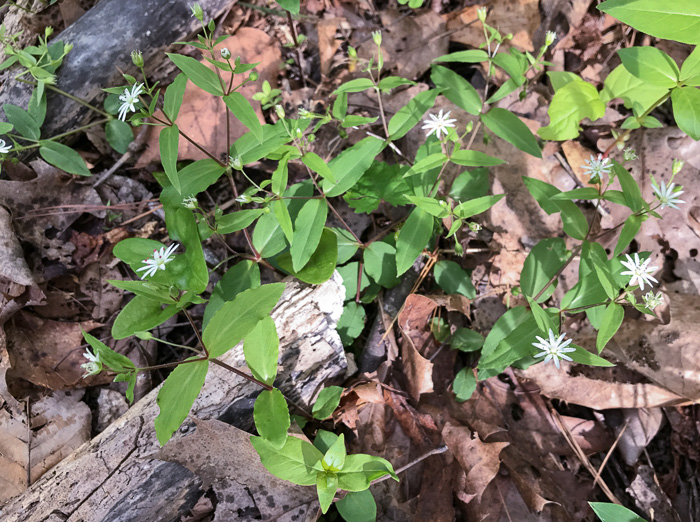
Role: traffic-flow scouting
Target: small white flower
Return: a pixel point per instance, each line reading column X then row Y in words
column 481, row 13
column 550, row 37
column 4, row 148
column 677, row 166
column 668, row 196
column 651, row 301
column 160, row 258
column 597, row 167
column 438, row 124
column 93, row 366
column 630, row 154
column 377, row 37
column 639, row 271
column 190, row 202
column 128, row 100
column 553, row 348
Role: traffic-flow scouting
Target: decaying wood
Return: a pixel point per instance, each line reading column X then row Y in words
column 113, row 477
column 103, row 39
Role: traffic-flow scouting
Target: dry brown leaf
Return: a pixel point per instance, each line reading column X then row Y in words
column 48, row 353
column 435, row 498
column 244, row 489
column 418, row 340
column 419, row 427
column 576, row 155
column 642, row 425
column 480, row 460
column 327, row 42
column 201, row 116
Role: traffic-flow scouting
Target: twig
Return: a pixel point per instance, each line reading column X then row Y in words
column 436, row 451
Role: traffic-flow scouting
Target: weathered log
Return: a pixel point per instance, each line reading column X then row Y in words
column 103, row 39
column 114, row 478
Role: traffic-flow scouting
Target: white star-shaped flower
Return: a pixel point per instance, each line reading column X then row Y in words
column 651, row 301
column 553, row 348
column 438, row 124
column 668, row 196
column 128, row 99
column 639, row 271
column 597, row 167
column 93, row 366
column 4, row 148
column 160, row 258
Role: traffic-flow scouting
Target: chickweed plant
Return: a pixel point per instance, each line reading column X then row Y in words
column 285, row 226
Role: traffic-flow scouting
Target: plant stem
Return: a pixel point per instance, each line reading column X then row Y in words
column 63, row 135
column 196, row 331
column 69, row 96
column 296, row 47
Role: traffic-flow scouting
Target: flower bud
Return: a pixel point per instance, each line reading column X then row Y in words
column 235, row 163
column 304, row 114
column 197, row 11
column 352, row 53
column 253, row 76
column 225, row 53
column 549, row 39
column 481, row 13
column 279, row 110
column 299, row 133
column 190, row 202
column 377, row 37
column 630, row 154
column 474, row 227
column 144, row 336
column 677, row 166
column 137, row 58
column 243, row 199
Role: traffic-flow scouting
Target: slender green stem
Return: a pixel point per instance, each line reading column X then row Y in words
column 196, row 331
column 59, row 136
column 70, row 97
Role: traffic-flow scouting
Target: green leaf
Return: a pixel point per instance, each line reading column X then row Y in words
column 37, row 104
column 284, row 219
column 235, row 221
column 297, row 461
column 24, row 124
column 686, row 110
column 187, row 271
column 583, row 356
column 113, row 360
column 612, row 319
column 315, row 163
column 289, row 5
column 358, row 506
column 5, row 127
column 351, row 164
column 353, row 120
column 172, row 100
column 456, row 89
column 271, row 417
column 340, row 106
column 614, row 512
column 470, row 56
column 630, row 188
column 334, row 459
column 380, row 263
column 308, row 228
column 509, row 340
column 408, row 116
column 464, row 384
column 571, row 103
column 168, row 141
column 392, row 82
column 428, row 163
column 63, row 157
column 690, row 69
column 119, row 135
column 194, row 178
column 351, row 323
column 326, row 487
column 326, row 402
column 250, row 149
column 322, row 263
column 474, row 158
column 585, row 193
column 509, row 127
column 575, row 223
column 241, row 109
column 236, row 319
column 381, row 182
column 198, row 73
column 360, row 470
column 544, row 322
column 678, row 20
column 470, row 184
column 541, row 264
column 240, row 277
column 629, row 231
column 635, row 93
column 176, row 397
column 466, row 340
column 413, row 237
column 347, row 245
column 268, row 237
column 476, row 206
column 140, row 315
column 453, row 279
column 651, row 65
column 149, row 289
column 432, row 206
column 349, row 273
column 356, row 85
column 261, row 350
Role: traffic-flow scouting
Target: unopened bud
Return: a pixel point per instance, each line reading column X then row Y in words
column 630, row 154
column 481, row 13
column 279, row 110
column 235, row 163
column 243, row 199
column 190, row 202
column 253, row 76
column 225, row 53
column 299, row 133
column 677, row 166
column 352, row 53
column 377, row 37
column 474, row 227
column 197, row 11
column 137, row 58
column 304, row 114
